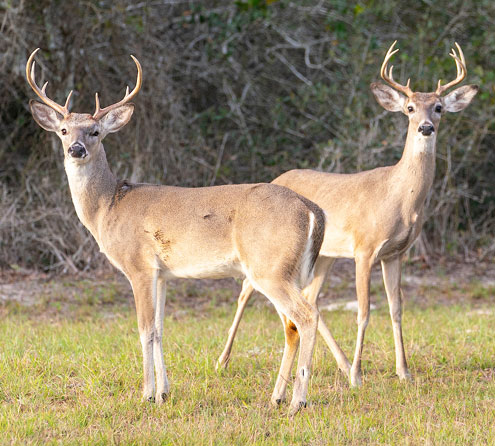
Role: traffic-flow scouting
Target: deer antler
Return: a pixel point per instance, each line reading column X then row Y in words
column 387, row 77
column 100, row 112
column 30, row 75
column 460, row 64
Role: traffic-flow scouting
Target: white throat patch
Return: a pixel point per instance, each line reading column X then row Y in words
column 425, row 144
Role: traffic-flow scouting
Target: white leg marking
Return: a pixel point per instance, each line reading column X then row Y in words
column 146, row 337
column 307, row 272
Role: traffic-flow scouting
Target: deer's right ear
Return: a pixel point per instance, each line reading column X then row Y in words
column 45, row 116
column 387, row 97
column 115, row 119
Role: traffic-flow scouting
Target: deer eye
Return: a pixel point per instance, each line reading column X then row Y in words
column 64, row 131
column 95, row 133
column 438, row 109
column 410, row 109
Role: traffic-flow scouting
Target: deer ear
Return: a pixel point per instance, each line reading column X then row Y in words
column 115, row 119
column 460, row 98
column 45, row 116
column 387, row 97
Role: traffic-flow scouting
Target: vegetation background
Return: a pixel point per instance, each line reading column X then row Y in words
column 240, row 91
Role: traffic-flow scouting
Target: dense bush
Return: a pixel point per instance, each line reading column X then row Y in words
column 240, row 92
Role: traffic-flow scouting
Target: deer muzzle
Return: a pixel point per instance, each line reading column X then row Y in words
column 77, row 150
column 426, row 128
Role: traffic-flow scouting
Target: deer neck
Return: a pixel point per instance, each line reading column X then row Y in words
column 92, row 186
column 416, row 169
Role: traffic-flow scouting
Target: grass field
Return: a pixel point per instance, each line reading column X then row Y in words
column 70, row 372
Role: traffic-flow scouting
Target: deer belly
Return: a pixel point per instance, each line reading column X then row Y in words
column 217, row 269
column 190, row 259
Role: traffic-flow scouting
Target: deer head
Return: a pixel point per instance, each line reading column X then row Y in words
column 80, row 133
column 424, row 110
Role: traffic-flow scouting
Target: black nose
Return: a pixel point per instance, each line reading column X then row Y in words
column 77, row 150
column 426, row 129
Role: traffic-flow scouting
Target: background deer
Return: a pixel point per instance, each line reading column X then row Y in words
column 375, row 215
column 151, row 233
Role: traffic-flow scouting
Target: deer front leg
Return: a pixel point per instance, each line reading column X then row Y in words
column 144, row 289
column 246, row 292
column 363, row 275
column 162, row 385
column 391, row 279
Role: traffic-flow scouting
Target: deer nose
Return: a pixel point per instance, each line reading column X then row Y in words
column 77, row 150
column 426, row 128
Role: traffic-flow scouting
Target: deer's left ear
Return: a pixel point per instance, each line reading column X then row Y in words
column 460, row 98
column 115, row 119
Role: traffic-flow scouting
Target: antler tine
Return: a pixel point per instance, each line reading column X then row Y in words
column 97, row 105
column 31, row 78
column 388, row 77
column 67, row 101
column 461, row 54
column 460, row 63
column 100, row 112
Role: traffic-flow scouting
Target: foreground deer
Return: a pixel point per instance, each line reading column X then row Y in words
column 375, row 215
column 152, row 233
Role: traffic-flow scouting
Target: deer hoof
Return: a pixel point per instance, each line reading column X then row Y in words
column 295, row 408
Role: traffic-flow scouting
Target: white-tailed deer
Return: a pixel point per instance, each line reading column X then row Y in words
column 375, row 215
column 151, row 233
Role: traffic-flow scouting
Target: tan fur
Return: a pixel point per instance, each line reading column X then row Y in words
column 372, row 216
column 152, row 233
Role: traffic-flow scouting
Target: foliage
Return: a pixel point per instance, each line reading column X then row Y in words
column 240, row 92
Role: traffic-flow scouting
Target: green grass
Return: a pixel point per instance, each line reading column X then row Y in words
column 77, row 380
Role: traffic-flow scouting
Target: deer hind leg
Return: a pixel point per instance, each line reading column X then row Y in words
column 246, row 292
column 288, row 300
column 306, row 322
column 363, row 275
column 311, row 292
column 290, row 350
column 391, row 279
